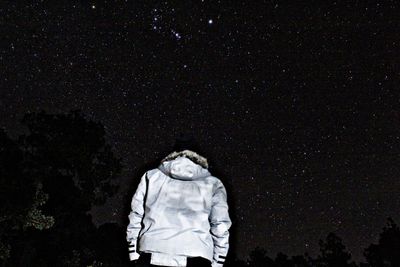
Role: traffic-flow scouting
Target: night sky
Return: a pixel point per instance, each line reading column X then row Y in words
column 297, row 105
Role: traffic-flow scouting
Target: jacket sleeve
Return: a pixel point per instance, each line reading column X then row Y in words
column 135, row 218
column 220, row 223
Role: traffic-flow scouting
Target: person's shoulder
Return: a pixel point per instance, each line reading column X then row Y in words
column 150, row 174
column 214, row 180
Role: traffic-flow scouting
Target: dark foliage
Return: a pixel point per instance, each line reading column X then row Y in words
column 69, row 157
column 387, row 252
column 17, row 192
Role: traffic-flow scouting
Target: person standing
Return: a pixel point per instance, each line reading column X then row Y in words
column 179, row 215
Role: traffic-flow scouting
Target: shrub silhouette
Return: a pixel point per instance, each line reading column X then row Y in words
column 333, row 253
column 387, row 252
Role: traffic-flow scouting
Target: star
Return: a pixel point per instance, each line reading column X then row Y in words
column 176, row 34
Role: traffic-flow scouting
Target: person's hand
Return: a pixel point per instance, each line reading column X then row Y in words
column 133, row 256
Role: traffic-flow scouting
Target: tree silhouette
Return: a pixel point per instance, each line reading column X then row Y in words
column 258, row 258
column 302, row 261
column 21, row 196
column 333, row 252
column 282, row 260
column 387, row 252
column 74, row 166
column 68, row 145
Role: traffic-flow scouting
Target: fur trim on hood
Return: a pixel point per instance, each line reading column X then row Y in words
column 193, row 156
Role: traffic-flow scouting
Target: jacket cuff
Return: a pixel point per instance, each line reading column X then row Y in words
column 218, row 261
column 133, row 254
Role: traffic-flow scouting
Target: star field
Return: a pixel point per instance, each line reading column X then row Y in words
column 295, row 104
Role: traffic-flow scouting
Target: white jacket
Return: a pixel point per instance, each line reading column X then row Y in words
column 179, row 210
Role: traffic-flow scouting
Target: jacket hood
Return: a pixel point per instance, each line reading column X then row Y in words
column 185, row 165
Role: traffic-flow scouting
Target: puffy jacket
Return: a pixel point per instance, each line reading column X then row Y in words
column 179, row 210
